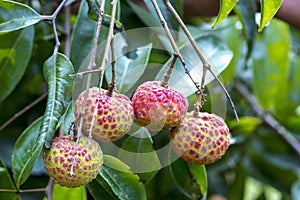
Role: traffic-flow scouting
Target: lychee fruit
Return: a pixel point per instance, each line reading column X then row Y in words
column 73, row 164
column 201, row 139
column 157, row 107
column 113, row 118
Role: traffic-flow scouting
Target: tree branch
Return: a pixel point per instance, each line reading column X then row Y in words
column 21, row 112
column 23, row 191
column 268, row 118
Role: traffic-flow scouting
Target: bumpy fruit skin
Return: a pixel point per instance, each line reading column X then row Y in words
column 158, row 107
column 201, row 140
column 114, row 115
column 58, row 160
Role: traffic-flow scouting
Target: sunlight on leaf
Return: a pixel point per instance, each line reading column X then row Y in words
column 226, row 7
column 270, row 65
column 60, row 192
column 268, row 10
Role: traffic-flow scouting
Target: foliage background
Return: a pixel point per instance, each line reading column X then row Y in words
column 264, row 72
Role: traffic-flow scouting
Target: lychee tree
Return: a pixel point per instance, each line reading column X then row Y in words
column 128, row 99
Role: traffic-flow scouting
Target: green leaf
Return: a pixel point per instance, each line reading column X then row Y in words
column 253, row 189
column 56, row 72
column 127, row 68
column 271, row 65
column 124, row 183
column 138, row 153
column 6, row 183
column 82, row 36
column 226, row 7
column 143, row 13
column 291, row 95
column 100, row 189
column 268, row 10
column 199, row 173
column 60, row 192
column 15, row 52
column 215, row 50
column 188, row 179
column 292, row 123
column 14, row 16
column 246, row 11
column 246, row 125
column 236, row 189
column 23, row 159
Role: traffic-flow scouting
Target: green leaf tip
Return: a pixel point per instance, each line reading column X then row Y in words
column 268, row 10
column 226, row 7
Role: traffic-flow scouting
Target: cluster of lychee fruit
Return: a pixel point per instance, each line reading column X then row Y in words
column 200, row 138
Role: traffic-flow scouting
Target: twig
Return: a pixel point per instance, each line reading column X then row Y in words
column 49, row 189
column 167, row 75
column 112, row 84
column 21, row 112
column 67, row 27
column 81, row 74
column 174, row 46
column 53, row 18
column 206, row 65
column 268, row 118
column 108, row 42
column 23, row 191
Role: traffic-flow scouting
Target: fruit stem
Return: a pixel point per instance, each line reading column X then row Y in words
column 112, row 84
column 49, row 189
column 108, row 43
column 168, row 74
column 206, row 65
column 175, row 49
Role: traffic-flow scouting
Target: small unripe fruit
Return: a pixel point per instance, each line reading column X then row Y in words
column 86, row 158
column 201, row 139
column 157, row 107
column 113, row 117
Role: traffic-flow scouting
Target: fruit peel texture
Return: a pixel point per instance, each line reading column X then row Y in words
column 201, row 140
column 59, row 158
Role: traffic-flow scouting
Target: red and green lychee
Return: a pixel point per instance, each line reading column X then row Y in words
column 73, row 164
column 108, row 118
column 201, row 139
column 157, row 107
